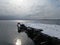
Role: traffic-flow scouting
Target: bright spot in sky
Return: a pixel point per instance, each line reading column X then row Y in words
column 18, row 42
column 21, row 5
column 27, row 7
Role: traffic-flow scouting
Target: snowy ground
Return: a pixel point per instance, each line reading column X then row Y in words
column 52, row 30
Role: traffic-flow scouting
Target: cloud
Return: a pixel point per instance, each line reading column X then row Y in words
column 50, row 10
column 34, row 9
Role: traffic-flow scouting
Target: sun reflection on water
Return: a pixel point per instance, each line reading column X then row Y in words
column 18, row 42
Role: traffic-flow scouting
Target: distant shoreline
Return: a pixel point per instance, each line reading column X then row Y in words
column 44, row 21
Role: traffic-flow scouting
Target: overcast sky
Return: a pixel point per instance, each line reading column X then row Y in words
column 30, row 9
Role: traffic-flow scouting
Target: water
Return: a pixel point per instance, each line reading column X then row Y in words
column 10, row 36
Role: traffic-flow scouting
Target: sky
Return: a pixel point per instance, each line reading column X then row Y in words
column 30, row 9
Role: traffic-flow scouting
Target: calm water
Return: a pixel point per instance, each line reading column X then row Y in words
column 10, row 36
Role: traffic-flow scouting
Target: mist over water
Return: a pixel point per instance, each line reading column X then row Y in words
column 10, row 36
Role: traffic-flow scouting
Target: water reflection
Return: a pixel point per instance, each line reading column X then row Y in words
column 18, row 42
column 10, row 36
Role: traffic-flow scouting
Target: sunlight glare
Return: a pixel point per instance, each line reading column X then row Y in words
column 18, row 42
column 26, row 7
column 21, row 5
